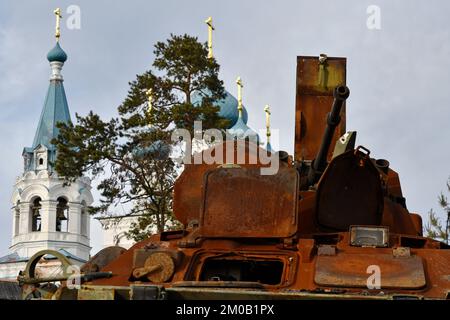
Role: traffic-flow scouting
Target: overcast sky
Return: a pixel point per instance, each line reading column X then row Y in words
column 398, row 75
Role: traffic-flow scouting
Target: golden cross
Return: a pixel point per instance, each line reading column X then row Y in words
column 149, row 94
column 210, row 32
column 240, row 86
column 58, row 15
column 267, row 111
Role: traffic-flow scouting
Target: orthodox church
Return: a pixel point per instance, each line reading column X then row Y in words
column 230, row 108
column 46, row 214
column 50, row 215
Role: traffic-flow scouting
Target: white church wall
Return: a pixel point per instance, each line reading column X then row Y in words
column 10, row 271
column 47, row 214
column 49, row 188
column 114, row 230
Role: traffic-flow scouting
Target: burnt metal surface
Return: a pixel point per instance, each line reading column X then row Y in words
column 340, row 94
column 314, row 96
column 237, row 200
column 187, row 199
column 242, row 294
column 347, row 270
column 102, row 258
column 158, row 267
column 198, row 271
column 146, row 292
column 87, row 293
column 141, row 255
column 248, row 236
column 349, row 193
column 326, row 250
column 10, row 291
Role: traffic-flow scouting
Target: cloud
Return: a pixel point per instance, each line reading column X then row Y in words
column 397, row 75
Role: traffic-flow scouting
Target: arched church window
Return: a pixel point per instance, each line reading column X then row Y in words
column 36, row 215
column 17, row 218
column 84, row 218
column 62, row 215
column 41, row 161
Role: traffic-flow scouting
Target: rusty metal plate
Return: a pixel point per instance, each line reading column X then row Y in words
column 240, row 202
column 205, row 293
column 314, row 97
column 102, row 258
column 349, row 193
column 187, row 198
column 352, row 270
column 311, row 81
column 91, row 293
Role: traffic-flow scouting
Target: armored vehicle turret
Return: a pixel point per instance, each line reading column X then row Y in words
column 330, row 222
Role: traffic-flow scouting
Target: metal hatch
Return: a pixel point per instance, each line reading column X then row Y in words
column 240, row 202
column 351, row 270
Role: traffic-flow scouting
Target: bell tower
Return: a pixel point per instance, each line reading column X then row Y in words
column 46, row 213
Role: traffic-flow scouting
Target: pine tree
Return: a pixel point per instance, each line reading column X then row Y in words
column 434, row 228
column 129, row 154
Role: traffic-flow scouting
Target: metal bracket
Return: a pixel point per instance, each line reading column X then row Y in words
column 401, row 252
column 326, row 250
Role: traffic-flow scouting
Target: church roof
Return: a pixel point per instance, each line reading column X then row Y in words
column 11, row 258
column 14, row 257
column 57, row 54
column 55, row 110
column 227, row 105
column 241, row 131
column 67, row 254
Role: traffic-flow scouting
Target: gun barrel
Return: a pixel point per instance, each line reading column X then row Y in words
column 340, row 94
column 82, row 277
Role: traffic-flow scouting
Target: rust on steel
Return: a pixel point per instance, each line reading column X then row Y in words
column 285, row 236
column 316, row 80
column 266, row 201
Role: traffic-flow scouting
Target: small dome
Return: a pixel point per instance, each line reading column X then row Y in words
column 57, row 54
column 241, row 131
column 228, row 107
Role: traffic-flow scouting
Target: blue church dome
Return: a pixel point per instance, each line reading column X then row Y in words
column 228, row 107
column 57, row 54
column 241, row 131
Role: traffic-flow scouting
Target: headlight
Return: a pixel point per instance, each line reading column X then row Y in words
column 369, row 236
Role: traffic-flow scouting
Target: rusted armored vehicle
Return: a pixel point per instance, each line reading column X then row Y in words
column 331, row 223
